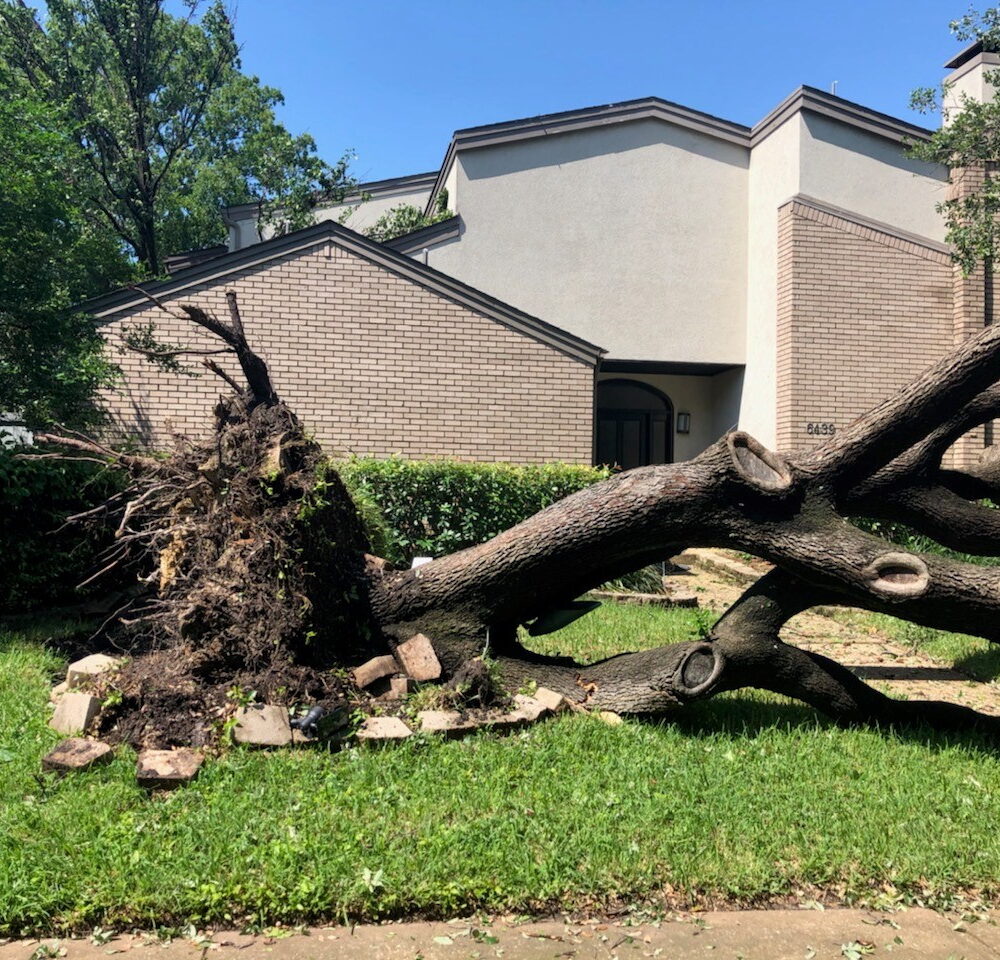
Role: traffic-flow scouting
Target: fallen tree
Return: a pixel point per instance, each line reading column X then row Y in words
column 254, row 570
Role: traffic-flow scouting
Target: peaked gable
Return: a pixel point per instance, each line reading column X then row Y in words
column 333, row 234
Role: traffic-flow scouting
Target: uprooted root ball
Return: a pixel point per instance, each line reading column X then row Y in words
column 251, row 558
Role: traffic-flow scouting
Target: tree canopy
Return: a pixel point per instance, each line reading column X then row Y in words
column 168, row 127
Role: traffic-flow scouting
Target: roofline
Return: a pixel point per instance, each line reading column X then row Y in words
column 376, row 188
column 804, row 98
column 585, row 118
column 400, row 264
column 423, row 237
column 837, row 108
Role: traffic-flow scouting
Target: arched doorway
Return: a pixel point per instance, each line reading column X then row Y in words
column 635, row 424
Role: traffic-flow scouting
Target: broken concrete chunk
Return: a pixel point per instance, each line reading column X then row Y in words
column 89, row 667
column 167, row 769
column 262, row 725
column 76, row 754
column 383, row 729
column 57, row 691
column 419, row 659
column 526, row 710
column 449, row 722
column 74, row 712
column 375, row 669
column 530, row 708
column 551, row 700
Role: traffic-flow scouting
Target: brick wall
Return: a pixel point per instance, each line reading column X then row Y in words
column 974, row 308
column 373, row 363
column 861, row 312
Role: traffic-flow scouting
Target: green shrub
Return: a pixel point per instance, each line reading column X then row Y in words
column 39, row 565
column 648, row 579
column 435, row 507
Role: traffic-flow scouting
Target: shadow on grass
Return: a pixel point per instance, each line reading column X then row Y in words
column 982, row 665
column 67, row 637
column 740, row 716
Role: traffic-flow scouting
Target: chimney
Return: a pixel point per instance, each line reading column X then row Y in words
column 968, row 78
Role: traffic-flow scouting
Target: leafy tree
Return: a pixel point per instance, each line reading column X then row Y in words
column 51, row 257
column 971, row 139
column 406, row 218
column 168, row 127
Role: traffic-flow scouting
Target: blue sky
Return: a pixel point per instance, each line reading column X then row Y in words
column 393, row 79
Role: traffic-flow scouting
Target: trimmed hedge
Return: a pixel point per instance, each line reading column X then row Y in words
column 38, row 565
column 434, row 507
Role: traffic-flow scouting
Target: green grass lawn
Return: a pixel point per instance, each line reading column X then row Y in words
column 745, row 798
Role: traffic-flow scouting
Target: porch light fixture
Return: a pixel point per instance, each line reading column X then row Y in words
column 683, row 422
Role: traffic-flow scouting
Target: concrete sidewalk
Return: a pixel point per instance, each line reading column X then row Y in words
column 831, row 934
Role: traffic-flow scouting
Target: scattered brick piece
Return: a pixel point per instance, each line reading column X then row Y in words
column 383, row 729
column 419, row 659
column 375, row 669
column 89, row 667
column 399, row 687
column 448, row 722
column 551, row 700
column 167, row 769
column 74, row 712
column 76, row 754
column 263, row 725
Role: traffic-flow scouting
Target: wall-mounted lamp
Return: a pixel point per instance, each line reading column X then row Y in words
column 683, row 422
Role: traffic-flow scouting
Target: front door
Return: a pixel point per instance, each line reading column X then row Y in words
column 634, row 425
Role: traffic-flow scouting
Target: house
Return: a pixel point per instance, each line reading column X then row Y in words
column 621, row 283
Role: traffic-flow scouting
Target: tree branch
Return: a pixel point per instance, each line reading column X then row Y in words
column 904, row 419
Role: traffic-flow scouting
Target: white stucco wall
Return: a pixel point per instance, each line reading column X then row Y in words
column 727, row 399
column 774, row 177
column 363, row 215
column 871, row 176
column 632, row 236
column 360, row 215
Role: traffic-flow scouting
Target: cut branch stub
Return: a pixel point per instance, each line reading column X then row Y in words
column 699, row 670
column 759, row 466
column 897, row 575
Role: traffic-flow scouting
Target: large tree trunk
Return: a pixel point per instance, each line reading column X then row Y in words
column 249, row 559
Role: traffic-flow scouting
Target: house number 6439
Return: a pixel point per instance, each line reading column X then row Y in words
column 821, row 429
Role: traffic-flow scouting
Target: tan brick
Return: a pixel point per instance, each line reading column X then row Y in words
column 374, row 364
